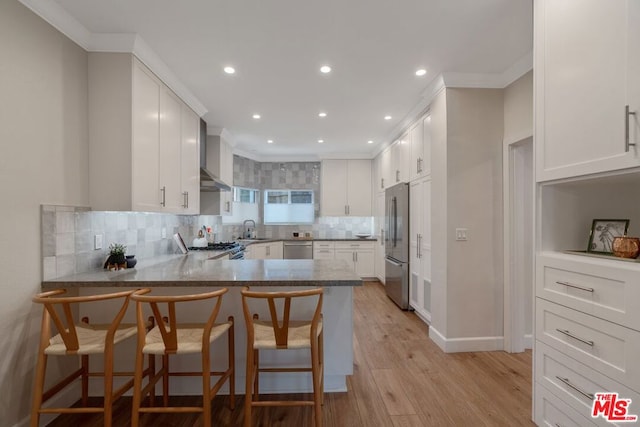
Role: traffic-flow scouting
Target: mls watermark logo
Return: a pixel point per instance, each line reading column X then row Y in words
column 612, row 408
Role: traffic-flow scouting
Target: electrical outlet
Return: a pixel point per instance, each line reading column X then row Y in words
column 461, row 234
column 164, row 233
column 97, row 242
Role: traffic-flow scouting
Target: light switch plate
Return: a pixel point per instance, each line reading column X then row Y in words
column 97, row 242
column 461, row 234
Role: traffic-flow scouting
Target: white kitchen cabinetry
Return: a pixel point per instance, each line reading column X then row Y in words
column 420, row 248
column 386, row 178
column 420, row 136
column 360, row 254
column 346, row 188
column 324, row 250
column 190, row 170
column 270, row 250
column 587, row 309
column 136, row 135
column 584, row 81
column 400, row 160
column 219, row 162
column 379, row 219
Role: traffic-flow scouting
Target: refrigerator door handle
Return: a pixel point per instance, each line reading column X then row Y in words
column 395, row 221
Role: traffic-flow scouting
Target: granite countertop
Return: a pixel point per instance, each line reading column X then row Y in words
column 199, row 269
column 247, row 242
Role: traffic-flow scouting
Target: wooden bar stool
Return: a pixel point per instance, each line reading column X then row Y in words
column 280, row 333
column 169, row 337
column 79, row 339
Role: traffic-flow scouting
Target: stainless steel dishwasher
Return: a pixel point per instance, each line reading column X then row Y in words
column 298, row 250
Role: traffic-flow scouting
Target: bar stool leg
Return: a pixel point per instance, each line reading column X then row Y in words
column 165, row 379
column 232, row 365
column 137, row 389
column 108, row 385
column 248, row 387
column 206, row 388
column 315, row 372
column 256, row 370
column 321, row 357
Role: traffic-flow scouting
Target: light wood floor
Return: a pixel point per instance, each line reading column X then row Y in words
column 401, row 378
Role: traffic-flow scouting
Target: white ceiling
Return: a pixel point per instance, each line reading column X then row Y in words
column 278, row 46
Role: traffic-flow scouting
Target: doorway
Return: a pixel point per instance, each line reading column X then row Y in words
column 518, row 245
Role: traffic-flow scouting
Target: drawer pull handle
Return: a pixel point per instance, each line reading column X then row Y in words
column 575, row 286
column 569, row 334
column 576, row 388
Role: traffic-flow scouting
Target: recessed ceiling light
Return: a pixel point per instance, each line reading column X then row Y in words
column 269, row 141
column 322, row 114
column 256, row 116
column 229, row 70
column 421, row 72
column 369, row 142
column 320, row 141
column 325, row 69
column 387, row 117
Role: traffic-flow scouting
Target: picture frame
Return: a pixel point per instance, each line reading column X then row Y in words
column 602, row 233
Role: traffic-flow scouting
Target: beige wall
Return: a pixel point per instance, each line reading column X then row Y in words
column 44, row 157
column 518, row 109
column 474, row 189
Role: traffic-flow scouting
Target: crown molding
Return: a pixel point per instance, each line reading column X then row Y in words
column 61, row 20
column 64, row 22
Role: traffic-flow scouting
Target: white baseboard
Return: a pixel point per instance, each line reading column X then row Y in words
column 528, row 341
column 459, row 345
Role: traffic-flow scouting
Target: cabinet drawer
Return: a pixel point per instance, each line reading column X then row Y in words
column 323, row 253
column 551, row 411
column 574, row 382
column 355, row 246
column 609, row 348
column 590, row 285
column 323, row 245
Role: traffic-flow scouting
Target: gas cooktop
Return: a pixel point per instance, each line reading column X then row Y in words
column 218, row 246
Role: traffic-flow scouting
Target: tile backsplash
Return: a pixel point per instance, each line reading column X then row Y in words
column 68, row 234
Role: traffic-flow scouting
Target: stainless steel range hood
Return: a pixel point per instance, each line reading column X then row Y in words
column 209, row 182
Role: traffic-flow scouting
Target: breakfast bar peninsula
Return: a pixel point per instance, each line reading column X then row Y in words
column 197, row 272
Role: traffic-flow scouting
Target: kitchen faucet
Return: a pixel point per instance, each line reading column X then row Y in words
column 247, row 234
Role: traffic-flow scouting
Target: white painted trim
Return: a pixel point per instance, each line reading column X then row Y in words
column 438, row 338
column 61, row 20
column 423, row 315
column 64, row 22
column 528, row 341
column 519, row 137
column 459, row 345
column 517, row 70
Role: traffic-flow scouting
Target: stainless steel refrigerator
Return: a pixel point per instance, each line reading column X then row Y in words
column 397, row 244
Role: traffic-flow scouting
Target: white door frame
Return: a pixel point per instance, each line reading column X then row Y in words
column 514, row 292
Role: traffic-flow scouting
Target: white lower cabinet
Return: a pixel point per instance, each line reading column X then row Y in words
column 587, row 336
column 420, row 248
column 358, row 254
column 324, row 250
column 271, row 250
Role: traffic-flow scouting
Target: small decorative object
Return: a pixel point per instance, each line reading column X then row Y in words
column 116, row 259
column 626, row 247
column 603, row 231
column 131, row 261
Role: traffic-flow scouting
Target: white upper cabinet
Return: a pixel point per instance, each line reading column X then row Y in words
column 400, row 159
column 190, row 170
column 220, row 162
column 417, row 151
column 170, row 149
column 386, row 178
column 136, row 139
column 346, row 188
column 587, row 62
